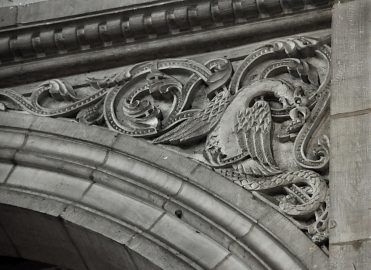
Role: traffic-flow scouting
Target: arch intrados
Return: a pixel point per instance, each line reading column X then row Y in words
column 102, row 159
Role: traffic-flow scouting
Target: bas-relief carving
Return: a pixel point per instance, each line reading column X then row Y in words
column 262, row 125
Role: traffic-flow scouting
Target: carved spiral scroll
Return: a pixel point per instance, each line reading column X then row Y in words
column 131, row 108
column 278, row 95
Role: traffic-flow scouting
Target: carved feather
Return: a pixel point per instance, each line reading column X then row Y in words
column 253, row 130
column 199, row 125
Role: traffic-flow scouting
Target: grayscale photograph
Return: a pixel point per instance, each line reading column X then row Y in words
column 185, row 135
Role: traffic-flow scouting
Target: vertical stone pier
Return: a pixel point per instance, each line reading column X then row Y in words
column 350, row 171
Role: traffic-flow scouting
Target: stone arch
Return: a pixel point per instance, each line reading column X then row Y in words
column 102, row 194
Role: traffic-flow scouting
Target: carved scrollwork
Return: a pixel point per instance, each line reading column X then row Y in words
column 275, row 101
column 160, row 95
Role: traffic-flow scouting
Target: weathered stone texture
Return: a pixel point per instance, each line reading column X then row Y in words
column 350, row 168
column 132, row 213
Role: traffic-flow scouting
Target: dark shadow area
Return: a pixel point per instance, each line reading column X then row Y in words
column 9, row 263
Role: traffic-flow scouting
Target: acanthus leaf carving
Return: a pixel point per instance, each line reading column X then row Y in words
column 247, row 121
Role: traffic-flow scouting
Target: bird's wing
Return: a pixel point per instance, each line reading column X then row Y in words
column 199, row 125
column 253, row 129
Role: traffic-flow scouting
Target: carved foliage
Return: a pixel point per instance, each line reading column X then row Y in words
column 274, row 102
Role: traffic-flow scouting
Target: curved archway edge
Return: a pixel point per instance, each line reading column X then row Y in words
column 101, row 187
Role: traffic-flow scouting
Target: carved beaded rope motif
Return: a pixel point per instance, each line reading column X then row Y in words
column 262, row 125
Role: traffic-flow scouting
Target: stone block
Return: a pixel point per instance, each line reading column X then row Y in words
column 63, row 127
column 6, row 154
column 46, row 182
column 129, row 187
column 352, row 255
column 39, row 160
column 214, row 209
column 190, row 242
column 229, row 191
column 23, row 198
column 11, row 139
column 246, row 255
column 65, row 149
column 99, row 252
column 121, row 206
column 264, row 245
column 345, row 101
column 156, row 154
column 148, row 255
column 350, row 172
column 95, row 221
column 8, row 16
column 295, row 241
column 5, row 169
column 198, row 222
column 16, row 119
column 144, row 173
column 351, row 41
column 232, row 263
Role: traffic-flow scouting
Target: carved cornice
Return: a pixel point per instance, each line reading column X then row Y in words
column 133, row 26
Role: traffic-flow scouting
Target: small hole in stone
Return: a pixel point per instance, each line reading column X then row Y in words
column 179, row 213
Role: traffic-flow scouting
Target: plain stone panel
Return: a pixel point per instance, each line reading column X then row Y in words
column 354, row 255
column 350, row 172
column 40, row 237
column 351, row 47
column 188, row 241
column 99, row 252
column 121, row 206
column 148, row 255
column 5, row 169
column 48, row 182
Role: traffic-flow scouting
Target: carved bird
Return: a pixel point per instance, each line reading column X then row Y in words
column 243, row 136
